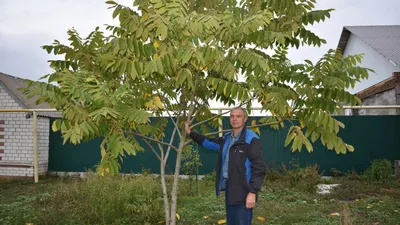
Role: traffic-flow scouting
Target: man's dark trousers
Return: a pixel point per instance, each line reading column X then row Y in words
column 237, row 214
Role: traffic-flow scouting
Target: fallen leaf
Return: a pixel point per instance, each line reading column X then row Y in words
column 205, row 217
column 261, row 218
column 221, row 221
column 335, row 214
column 395, row 210
column 178, row 216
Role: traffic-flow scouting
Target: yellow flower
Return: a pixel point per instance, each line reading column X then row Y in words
column 221, row 221
column 261, row 218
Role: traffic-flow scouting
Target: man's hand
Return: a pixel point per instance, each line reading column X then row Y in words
column 250, row 200
column 187, row 129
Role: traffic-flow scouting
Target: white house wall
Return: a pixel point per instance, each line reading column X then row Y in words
column 16, row 154
column 372, row 59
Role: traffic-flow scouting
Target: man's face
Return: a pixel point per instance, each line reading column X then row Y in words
column 238, row 118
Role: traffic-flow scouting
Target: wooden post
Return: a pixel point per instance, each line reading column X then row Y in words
column 35, row 148
column 397, row 168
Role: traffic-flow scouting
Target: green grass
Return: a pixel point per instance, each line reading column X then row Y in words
column 121, row 200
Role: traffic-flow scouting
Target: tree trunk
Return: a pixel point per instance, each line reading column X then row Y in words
column 174, row 193
column 164, row 191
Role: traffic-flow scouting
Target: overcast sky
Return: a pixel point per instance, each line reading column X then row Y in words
column 26, row 25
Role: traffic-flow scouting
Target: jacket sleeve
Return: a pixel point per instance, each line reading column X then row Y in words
column 208, row 143
column 258, row 168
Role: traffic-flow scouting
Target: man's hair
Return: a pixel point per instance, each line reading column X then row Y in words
column 243, row 110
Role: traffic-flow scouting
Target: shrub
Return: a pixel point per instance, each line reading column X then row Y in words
column 380, row 170
column 301, row 178
column 210, row 176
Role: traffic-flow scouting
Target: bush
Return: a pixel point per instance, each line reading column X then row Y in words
column 351, row 175
column 380, row 170
column 304, row 179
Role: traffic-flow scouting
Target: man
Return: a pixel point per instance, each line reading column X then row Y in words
column 240, row 167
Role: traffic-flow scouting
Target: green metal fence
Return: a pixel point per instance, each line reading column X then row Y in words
column 373, row 137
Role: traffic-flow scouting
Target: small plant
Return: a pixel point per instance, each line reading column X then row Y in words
column 190, row 160
column 210, row 176
column 145, row 171
column 190, row 164
column 380, row 170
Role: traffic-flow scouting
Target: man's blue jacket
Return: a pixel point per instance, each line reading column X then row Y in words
column 246, row 166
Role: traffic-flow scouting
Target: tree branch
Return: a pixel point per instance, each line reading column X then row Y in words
column 217, row 132
column 175, row 124
column 205, row 121
column 169, row 114
column 153, row 139
column 170, row 143
column 258, row 125
column 192, row 98
column 199, row 109
column 152, row 149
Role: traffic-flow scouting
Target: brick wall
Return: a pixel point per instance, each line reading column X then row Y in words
column 17, row 153
column 43, row 128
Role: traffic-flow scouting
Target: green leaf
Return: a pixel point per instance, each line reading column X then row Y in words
column 122, row 43
column 289, row 138
column 133, row 71
column 350, row 148
column 116, row 11
column 183, row 75
column 111, row 2
column 56, row 126
column 163, row 32
column 308, row 145
column 314, row 136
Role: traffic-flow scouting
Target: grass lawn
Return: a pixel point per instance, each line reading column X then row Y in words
column 137, row 200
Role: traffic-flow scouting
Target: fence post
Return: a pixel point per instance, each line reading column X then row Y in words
column 35, row 148
column 397, row 168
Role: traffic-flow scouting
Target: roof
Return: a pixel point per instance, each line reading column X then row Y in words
column 383, row 39
column 380, row 87
column 13, row 84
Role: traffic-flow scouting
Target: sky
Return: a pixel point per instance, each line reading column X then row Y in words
column 26, row 25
